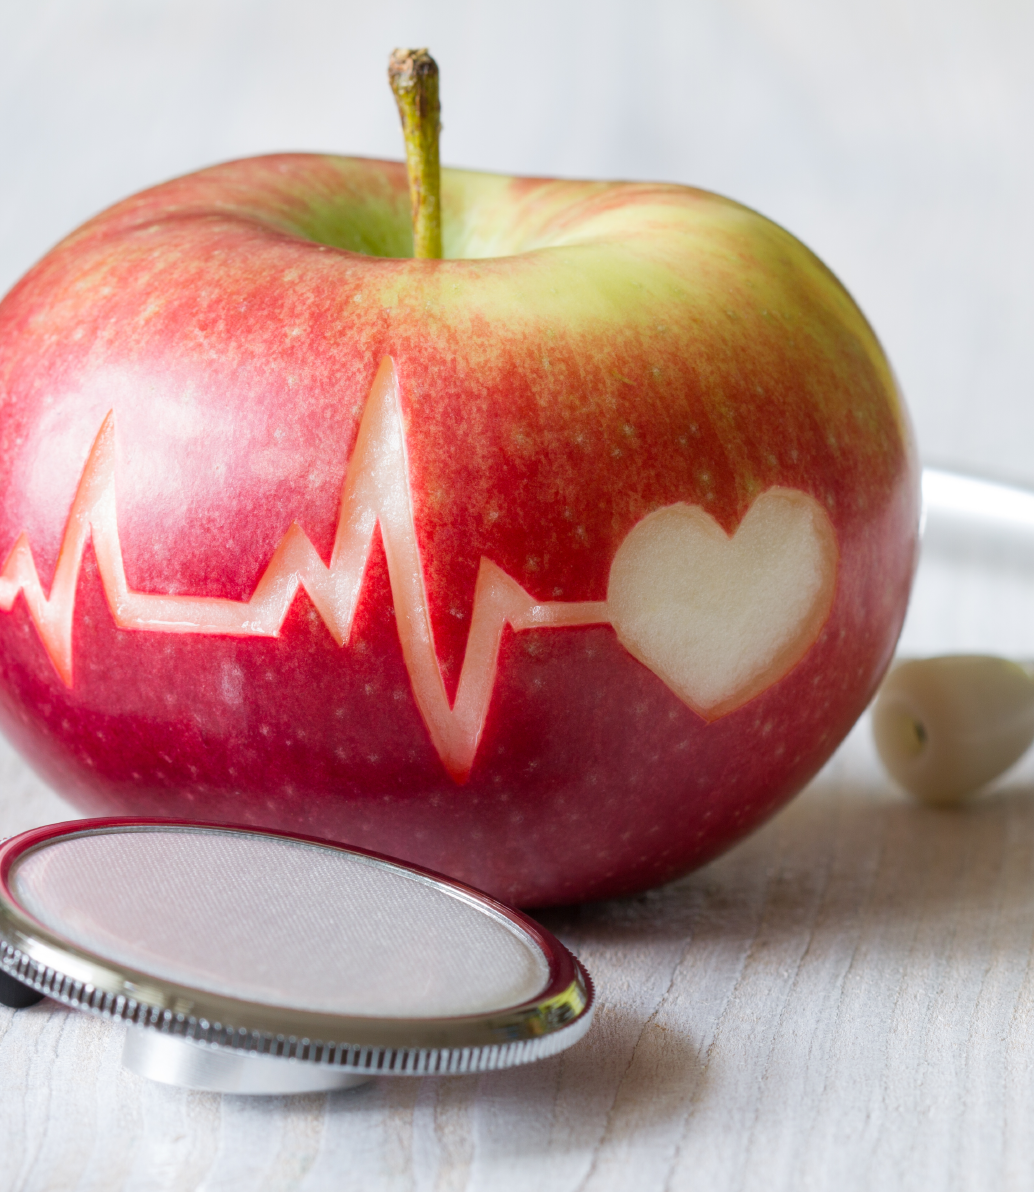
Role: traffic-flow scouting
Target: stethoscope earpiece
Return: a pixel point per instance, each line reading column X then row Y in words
column 945, row 727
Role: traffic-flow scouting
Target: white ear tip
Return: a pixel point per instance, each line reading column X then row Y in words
column 945, row 727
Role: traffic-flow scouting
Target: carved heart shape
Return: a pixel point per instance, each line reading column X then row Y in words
column 722, row 618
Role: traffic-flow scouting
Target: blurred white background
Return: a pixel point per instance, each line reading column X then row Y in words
column 892, row 136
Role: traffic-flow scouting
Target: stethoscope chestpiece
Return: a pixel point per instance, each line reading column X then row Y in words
column 252, row 961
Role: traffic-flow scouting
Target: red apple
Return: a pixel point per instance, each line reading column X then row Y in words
column 604, row 525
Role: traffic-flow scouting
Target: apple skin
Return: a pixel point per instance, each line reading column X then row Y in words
column 601, row 350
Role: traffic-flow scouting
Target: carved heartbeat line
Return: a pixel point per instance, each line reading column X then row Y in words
column 717, row 618
column 376, row 490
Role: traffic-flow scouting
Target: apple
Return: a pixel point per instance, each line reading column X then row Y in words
column 556, row 565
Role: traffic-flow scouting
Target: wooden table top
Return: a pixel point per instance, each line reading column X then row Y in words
column 845, row 1000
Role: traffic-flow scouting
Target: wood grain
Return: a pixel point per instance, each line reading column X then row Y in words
column 845, row 1000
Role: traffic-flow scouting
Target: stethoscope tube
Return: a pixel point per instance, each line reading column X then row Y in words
column 945, row 727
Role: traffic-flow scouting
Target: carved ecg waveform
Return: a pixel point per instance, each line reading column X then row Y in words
column 717, row 617
column 376, row 491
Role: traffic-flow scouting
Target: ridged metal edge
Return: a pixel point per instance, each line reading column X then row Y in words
column 397, row 1061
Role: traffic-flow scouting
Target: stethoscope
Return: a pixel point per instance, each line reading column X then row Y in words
column 243, row 960
column 945, row 727
column 263, row 962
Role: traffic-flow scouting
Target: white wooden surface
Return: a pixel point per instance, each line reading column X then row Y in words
column 844, row 1001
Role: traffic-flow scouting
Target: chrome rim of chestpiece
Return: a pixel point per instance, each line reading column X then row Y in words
column 187, row 1034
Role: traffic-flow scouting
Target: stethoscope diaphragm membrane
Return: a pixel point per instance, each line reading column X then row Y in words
column 254, row 961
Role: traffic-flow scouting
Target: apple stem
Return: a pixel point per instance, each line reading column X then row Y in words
column 413, row 75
